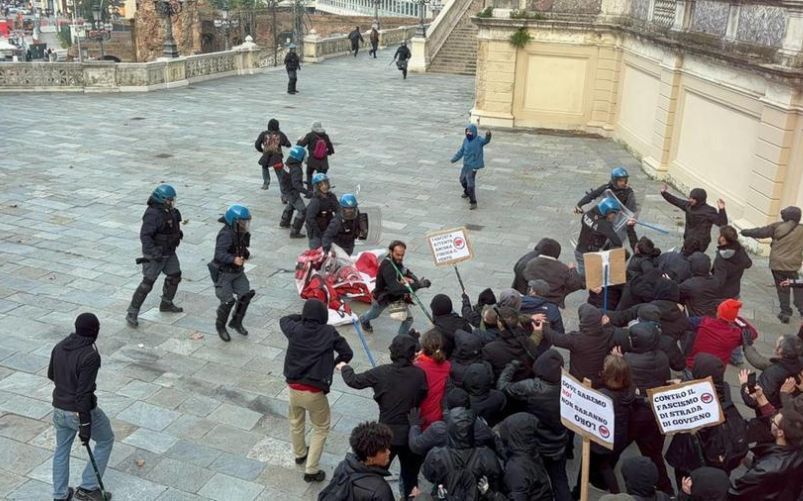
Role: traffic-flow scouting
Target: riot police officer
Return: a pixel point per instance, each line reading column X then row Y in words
column 292, row 183
column 227, row 269
column 597, row 231
column 321, row 209
column 346, row 226
column 160, row 236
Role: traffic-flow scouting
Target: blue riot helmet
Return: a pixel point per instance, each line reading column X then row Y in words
column 238, row 217
column 298, row 153
column 618, row 174
column 292, row 46
column 608, row 205
column 321, row 182
column 164, row 194
column 348, row 206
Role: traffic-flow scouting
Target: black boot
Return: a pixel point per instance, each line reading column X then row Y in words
column 169, row 292
column 222, row 316
column 239, row 313
column 169, row 307
column 136, row 302
column 296, row 232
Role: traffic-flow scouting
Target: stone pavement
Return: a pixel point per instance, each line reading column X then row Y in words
column 197, row 418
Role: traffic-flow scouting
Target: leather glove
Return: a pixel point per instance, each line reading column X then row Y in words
column 425, row 283
column 466, row 299
column 483, row 485
column 414, row 417
column 84, row 427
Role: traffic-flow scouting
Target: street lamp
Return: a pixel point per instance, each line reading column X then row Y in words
column 101, row 31
column 168, row 9
column 226, row 23
column 422, row 7
column 376, row 14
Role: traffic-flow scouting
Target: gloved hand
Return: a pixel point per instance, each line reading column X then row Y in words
column 515, row 363
column 578, row 210
column 425, row 283
column 84, row 427
column 466, row 299
column 483, row 485
column 414, row 417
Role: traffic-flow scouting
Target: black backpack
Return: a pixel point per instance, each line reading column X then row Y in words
column 459, row 484
column 725, row 445
column 341, row 489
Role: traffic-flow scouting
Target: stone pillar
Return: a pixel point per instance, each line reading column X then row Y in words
column 683, row 13
column 733, row 22
column 496, row 73
column 658, row 163
column 771, row 163
column 606, row 84
column 419, row 60
column 310, row 48
column 792, row 51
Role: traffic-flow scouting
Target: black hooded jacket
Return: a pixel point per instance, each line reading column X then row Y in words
column 367, row 482
column 161, row 232
column 774, row 376
column 398, row 386
column 775, row 475
column 675, row 264
column 468, row 350
column 562, row 280
column 588, row 347
column 541, row 397
column 525, row 477
column 700, row 217
column 708, row 484
column 511, row 345
column 729, row 265
column 74, row 365
column 311, row 346
column 641, row 476
column 649, row 366
column 700, row 293
column 447, row 322
column 270, row 159
column 486, row 401
column 436, row 434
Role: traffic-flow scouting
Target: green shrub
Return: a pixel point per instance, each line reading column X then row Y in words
column 486, row 12
column 520, row 38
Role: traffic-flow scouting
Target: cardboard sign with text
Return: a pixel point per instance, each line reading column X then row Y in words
column 595, row 263
column 586, row 411
column 450, row 247
column 686, row 407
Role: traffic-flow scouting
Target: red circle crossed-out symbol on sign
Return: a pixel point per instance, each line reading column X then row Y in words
column 604, row 431
column 707, row 398
column 459, row 243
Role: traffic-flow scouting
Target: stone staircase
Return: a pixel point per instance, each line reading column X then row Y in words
column 458, row 54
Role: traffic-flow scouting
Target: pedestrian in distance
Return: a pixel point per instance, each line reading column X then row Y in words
column 293, row 189
column 356, row 39
column 374, row 39
column 160, row 235
column 309, row 364
column 401, row 57
column 471, row 151
column 319, row 148
column 228, row 270
column 269, row 143
column 293, row 65
column 74, row 365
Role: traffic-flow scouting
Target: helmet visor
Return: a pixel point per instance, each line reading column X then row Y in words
column 244, row 225
column 349, row 213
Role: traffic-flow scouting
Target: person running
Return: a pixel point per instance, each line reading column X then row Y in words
column 374, row 38
column 269, row 143
column 356, row 39
column 402, row 56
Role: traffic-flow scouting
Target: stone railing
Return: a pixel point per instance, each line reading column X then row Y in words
column 394, row 8
column 317, row 49
column 425, row 49
column 108, row 76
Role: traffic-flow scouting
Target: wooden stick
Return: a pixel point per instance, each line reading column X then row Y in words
column 586, row 458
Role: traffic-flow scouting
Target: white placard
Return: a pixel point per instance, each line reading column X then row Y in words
column 450, row 246
column 686, row 407
column 586, row 411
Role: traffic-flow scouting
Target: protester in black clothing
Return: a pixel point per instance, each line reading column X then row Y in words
column 269, row 143
column 675, row 264
column 785, row 364
column 641, row 476
column 308, row 366
column 700, row 293
column 536, row 302
column 319, row 147
column 160, row 235
column 730, row 262
column 374, row 38
column 293, row 188
column 642, row 273
column 519, row 282
column 436, row 434
column 356, row 39
column 73, row 367
column 401, row 57
column 486, row 401
column 541, row 397
column 398, row 387
column 468, row 351
column 514, row 343
column 700, row 216
column 704, row 484
column 321, row 210
column 293, row 65
column 525, row 476
column 361, row 475
column 447, row 321
column 228, row 270
column 473, row 314
column 562, row 279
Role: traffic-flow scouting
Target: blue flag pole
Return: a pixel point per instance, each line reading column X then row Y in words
column 356, row 325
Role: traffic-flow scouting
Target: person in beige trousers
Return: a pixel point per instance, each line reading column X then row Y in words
column 308, row 367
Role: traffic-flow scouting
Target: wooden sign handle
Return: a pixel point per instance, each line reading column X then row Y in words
column 585, row 458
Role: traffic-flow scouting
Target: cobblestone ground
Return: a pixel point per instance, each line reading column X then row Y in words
column 197, row 418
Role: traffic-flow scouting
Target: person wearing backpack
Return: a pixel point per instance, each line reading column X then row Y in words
column 269, row 143
column 293, row 187
column 525, row 476
column 361, row 475
column 374, row 38
column 319, row 147
column 471, row 151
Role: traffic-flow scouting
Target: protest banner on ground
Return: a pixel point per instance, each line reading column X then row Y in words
column 686, row 407
column 586, row 411
column 450, row 247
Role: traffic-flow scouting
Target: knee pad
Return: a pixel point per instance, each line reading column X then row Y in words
column 147, row 284
column 174, row 278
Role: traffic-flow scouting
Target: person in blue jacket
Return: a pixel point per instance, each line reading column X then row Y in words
column 471, row 153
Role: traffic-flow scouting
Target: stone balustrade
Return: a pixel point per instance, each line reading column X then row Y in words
column 317, row 49
column 102, row 76
column 394, row 8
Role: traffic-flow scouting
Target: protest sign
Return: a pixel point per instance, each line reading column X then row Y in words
column 586, row 411
column 686, row 407
column 450, row 247
column 595, row 264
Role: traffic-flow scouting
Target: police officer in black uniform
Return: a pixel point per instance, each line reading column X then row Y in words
column 321, row 209
column 227, row 270
column 346, row 226
column 292, row 183
column 160, row 235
